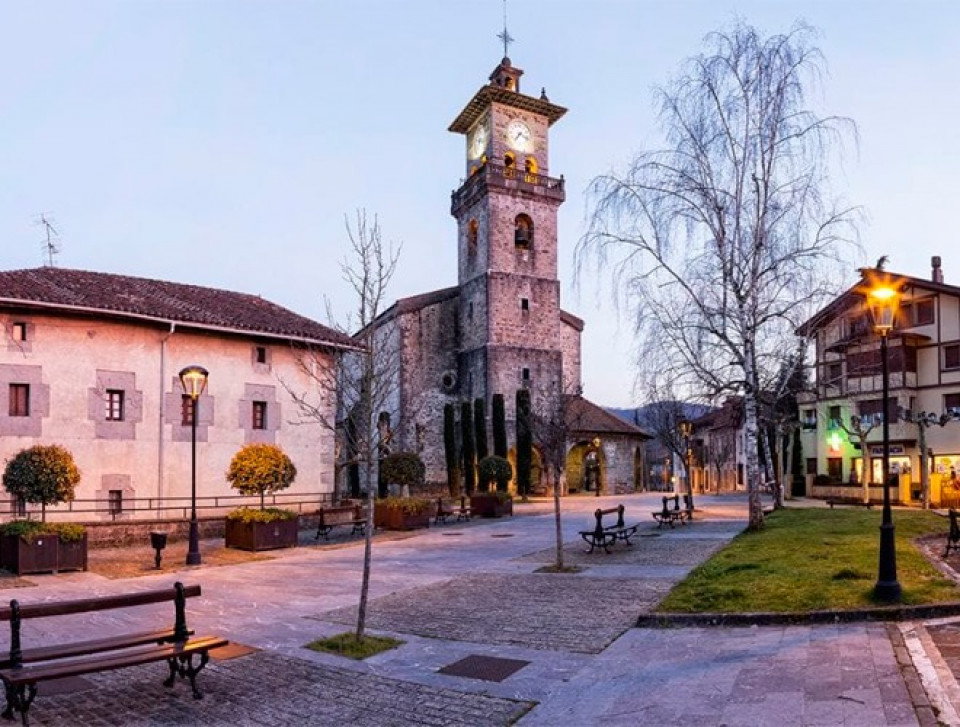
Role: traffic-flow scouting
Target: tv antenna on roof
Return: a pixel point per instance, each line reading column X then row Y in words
column 51, row 244
column 505, row 36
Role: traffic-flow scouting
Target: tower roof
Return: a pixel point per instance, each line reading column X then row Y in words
column 504, row 88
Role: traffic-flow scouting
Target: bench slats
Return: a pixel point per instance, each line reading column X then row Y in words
column 80, row 648
column 111, row 660
column 102, row 603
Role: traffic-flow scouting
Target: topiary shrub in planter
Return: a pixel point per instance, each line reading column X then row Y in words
column 44, row 475
column 494, row 470
column 402, row 513
column 267, row 529
column 491, row 504
column 404, row 469
column 259, row 469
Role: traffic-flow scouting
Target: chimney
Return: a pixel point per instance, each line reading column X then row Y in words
column 937, row 276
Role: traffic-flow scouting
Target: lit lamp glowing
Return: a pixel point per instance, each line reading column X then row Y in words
column 883, row 298
column 193, row 379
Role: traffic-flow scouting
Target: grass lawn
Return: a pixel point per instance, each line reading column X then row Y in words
column 810, row 559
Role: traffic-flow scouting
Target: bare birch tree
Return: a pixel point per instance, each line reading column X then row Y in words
column 364, row 382
column 723, row 242
column 857, row 431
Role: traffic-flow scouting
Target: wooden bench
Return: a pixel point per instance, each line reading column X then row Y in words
column 852, row 501
column 443, row 512
column 356, row 521
column 669, row 515
column 953, row 537
column 23, row 668
column 603, row 536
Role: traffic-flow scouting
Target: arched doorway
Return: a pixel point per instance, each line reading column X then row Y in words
column 586, row 468
column 536, row 471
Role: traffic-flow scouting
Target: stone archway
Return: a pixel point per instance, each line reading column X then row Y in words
column 586, row 468
column 536, row 471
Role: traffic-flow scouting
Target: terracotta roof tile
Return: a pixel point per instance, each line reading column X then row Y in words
column 124, row 296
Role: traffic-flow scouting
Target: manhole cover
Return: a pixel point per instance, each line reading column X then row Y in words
column 451, row 535
column 488, row 668
column 502, row 535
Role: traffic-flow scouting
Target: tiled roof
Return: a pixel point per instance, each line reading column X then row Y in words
column 585, row 417
column 122, row 296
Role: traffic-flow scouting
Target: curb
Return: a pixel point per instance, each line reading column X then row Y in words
column 881, row 613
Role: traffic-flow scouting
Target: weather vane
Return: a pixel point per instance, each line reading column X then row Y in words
column 505, row 36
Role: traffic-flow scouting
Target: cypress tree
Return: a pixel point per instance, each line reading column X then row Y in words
column 480, row 427
column 450, row 450
column 499, row 427
column 524, row 443
column 469, row 453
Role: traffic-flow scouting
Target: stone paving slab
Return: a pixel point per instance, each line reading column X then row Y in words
column 737, row 677
column 269, row 689
column 643, row 551
column 560, row 612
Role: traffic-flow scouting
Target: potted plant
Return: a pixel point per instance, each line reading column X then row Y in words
column 259, row 469
column 403, row 513
column 493, row 471
column 44, row 475
column 404, row 469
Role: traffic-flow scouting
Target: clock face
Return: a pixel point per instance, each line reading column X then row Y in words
column 519, row 136
column 478, row 144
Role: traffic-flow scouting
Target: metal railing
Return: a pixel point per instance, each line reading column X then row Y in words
column 163, row 508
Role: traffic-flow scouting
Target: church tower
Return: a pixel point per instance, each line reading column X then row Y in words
column 509, row 316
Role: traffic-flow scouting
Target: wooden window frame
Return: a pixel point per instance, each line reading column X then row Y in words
column 19, row 395
column 258, row 415
column 114, row 402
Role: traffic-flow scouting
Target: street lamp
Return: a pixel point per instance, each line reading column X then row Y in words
column 686, row 429
column 193, row 379
column 883, row 297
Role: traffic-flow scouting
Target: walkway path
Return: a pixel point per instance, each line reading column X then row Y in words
column 489, row 640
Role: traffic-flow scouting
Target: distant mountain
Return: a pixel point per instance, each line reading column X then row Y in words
column 641, row 415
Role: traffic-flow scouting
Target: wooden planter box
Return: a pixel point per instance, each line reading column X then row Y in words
column 395, row 519
column 262, row 536
column 42, row 554
column 489, row 506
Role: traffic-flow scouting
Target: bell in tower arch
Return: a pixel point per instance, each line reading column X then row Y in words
column 523, row 232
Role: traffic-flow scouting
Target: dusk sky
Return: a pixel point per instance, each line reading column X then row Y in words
column 221, row 143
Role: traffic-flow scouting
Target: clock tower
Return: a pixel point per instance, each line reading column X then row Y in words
column 512, row 331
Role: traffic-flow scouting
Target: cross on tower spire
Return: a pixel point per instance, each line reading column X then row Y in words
column 505, row 36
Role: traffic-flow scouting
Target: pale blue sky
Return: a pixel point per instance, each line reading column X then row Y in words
column 222, row 142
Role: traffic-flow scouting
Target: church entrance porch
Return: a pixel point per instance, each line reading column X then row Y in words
column 586, row 468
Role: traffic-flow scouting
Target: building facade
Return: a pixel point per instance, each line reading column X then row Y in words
column 841, row 419
column 501, row 328
column 90, row 361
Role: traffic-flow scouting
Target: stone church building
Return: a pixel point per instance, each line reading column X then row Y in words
column 501, row 327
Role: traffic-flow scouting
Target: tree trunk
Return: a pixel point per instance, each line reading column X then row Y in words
column 367, row 553
column 924, row 468
column 754, row 503
column 556, row 517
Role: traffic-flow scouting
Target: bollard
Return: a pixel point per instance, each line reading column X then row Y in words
column 158, row 541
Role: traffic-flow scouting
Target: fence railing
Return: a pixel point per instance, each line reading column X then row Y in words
column 162, row 508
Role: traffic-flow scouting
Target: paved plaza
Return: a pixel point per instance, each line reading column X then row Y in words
column 490, row 640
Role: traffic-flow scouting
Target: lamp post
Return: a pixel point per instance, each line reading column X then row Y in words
column 686, row 429
column 883, row 299
column 193, row 379
column 596, row 465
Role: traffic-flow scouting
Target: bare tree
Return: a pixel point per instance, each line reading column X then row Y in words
column 859, row 429
column 723, row 243
column 365, row 382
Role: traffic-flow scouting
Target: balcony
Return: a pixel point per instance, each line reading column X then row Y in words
column 498, row 176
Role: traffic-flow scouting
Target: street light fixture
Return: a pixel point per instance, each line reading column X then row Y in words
column 193, row 379
column 883, row 298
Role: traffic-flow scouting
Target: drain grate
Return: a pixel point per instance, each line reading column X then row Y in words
column 65, row 685
column 488, row 668
column 502, row 535
column 451, row 535
column 231, row 651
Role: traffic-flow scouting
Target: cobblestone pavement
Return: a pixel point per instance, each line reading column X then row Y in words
column 468, row 590
column 538, row 611
column 268, row 689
